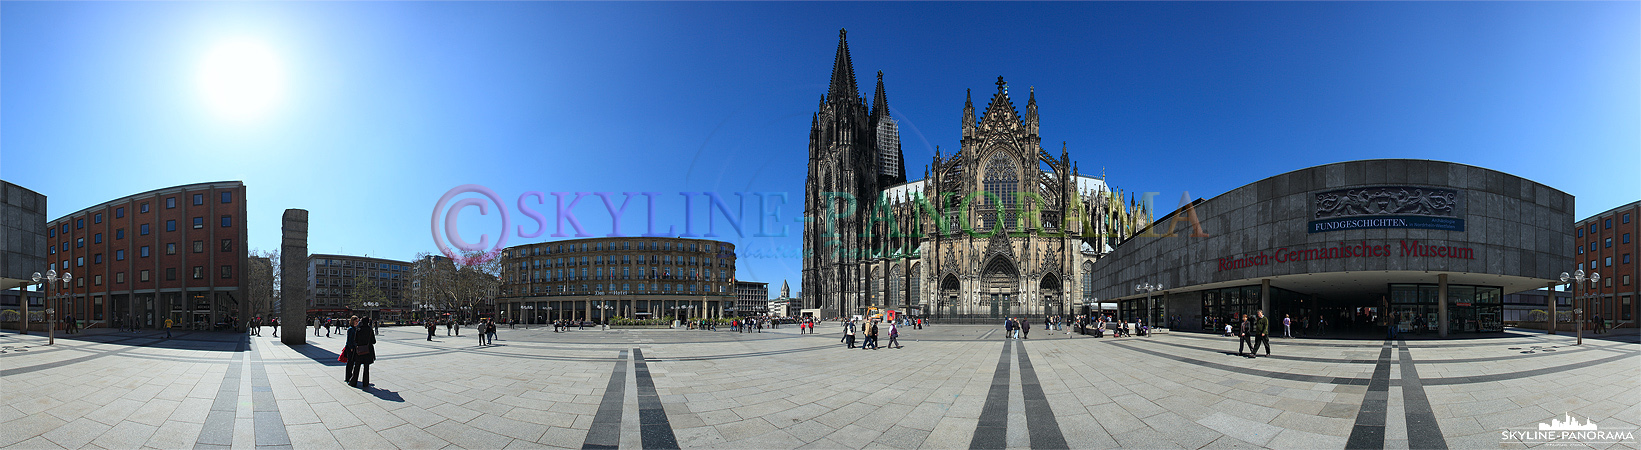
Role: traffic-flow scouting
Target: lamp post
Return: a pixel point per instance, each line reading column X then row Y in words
column 1147, row 289
column 51, row 313
column 1576, row 279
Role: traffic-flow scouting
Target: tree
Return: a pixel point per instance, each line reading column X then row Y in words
column 262, row 283
column 466, row 283
column 366, row 293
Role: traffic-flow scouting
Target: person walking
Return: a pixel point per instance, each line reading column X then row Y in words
column 275, row 326
column 490, row 331
column 1025, row 330
column 349, row 355
column 1008, row 328
column 1261, row 334
column 872, row 333
column 168, row 324
column 1244, row 330
column 363, row 341
column 894, row 336
column 315, row 327
column 431, row 327
column 849, row 333
column 1287, row 326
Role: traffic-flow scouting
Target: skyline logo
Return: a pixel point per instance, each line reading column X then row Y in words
column 1570, row 425
column 1566, row 431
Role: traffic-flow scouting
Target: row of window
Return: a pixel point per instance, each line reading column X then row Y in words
column 1626, row 240
column 170, row 249
column 624, row 287
column 625, row 245
column 346, row 282
column 1608, row 224
column 1609, row 260
column 361, row 264
column 349, row 273
column 119, row 212
column 170, row 225
column 542, row 276
column 142, row 275
column 625, row 259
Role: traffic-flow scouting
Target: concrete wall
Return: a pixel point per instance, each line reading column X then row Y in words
column 1515, row 226
column 23, row 246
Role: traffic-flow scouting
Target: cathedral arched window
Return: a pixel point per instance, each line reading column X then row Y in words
column 916, row 281
column 1001, row 182
column 1088, row 281
column 895, row 279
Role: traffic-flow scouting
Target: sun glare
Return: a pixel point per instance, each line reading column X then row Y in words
column 241, row 79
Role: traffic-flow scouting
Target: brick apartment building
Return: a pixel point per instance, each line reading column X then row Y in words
column 1606, row 244
column 177, row 252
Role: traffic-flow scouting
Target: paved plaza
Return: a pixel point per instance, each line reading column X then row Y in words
column 949, row 387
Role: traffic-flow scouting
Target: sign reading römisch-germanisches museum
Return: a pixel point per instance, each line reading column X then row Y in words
column 1418, row 207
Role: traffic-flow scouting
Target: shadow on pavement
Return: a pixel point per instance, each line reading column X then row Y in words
column 319, row 355
column 385, row 394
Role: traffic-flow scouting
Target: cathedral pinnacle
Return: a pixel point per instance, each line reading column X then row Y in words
column 843, row 71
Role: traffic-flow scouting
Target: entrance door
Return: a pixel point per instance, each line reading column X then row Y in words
column 994, row 306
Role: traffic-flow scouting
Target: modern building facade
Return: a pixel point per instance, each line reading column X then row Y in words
column 338, row 284
column 1425, row 246
column 997, row 228
column 22, row 253
column 177, row 252
column 1606, row 243
column 751, row 298
column 633, row 277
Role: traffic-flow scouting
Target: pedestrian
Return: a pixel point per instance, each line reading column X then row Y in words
column 449, row 328
column 1287, row 326
column 1025, row 330
column 168, row 324
column 330, row 323
column 315, row 327
column 1261, row 334
column 849, row 333
column 276, row 327
column 894, row 336
column 431, row 327
column 1244, row 329
column 871, row 334
column 362, row 344
column 1008, row 328
column 491, row 331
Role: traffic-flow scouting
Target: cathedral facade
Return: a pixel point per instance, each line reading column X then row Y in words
column 1001, row 227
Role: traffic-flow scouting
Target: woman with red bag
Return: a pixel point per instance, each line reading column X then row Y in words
column 360, row 352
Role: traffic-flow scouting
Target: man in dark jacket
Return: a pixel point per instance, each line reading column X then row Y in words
column 361, row 349
column 1244, row 330
column 1262, row 328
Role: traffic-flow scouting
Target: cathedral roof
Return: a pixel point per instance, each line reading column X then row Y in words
column 1001, row 109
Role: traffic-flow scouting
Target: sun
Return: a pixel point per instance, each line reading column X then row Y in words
column 241, row 79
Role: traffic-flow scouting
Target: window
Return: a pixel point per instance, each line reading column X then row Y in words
column 79, row 224
column 142, row 229
column 1609, row 242
column 199, row 222
column 170, row 273
column 227, row 245
column 227, row 197
column 98, row 218
column 1580, row 249
column 1626, row 280
column 1609, row 261
column 65, row 227
column 143, row 252
column 199, row 272
column 79, row 242
column 79, row 262
column 119, row 212
column 52, row 232
column 1626, row 258
column 1592, row 229
column 170, row 248
column 227, row 272
column 1609, row 223
column 199, row 199
column 1626, row 217
column 170, row 225
column 119, row 234
column 143, row 207
column 52, row 250
column 199, row 246
column 98, row 238
column 142, row 276
column 97, row 280
column 119, row 255
column 119, row 278
column 1626, row 238
column 98, row 258
column 170, row 202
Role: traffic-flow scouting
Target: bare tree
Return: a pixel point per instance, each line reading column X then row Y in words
column 366, row 293
column 262, row 281
column 467, row 283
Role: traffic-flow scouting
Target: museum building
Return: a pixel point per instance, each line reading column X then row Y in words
column 1425, row 246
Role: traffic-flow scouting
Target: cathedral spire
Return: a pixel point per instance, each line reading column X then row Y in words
column 968, row 113
column 880, row 102
column 843, row 70
column 1031, row 112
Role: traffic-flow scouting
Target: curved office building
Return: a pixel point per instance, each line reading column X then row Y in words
column 634, row 277
column 1426, row 246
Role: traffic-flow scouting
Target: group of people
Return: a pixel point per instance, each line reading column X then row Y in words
column 869, row 328
column 359, row 352
column 256, row 325
column 1254, row 331
column 1097, row 325
column 747, row 325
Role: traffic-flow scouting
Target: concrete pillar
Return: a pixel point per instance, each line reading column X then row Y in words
column 1441, row 305
column 1265, row 297
column 1551, row 300
column 293, row 277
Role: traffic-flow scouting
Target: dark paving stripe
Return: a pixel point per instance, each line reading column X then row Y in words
column 992, row 430
column 218, row 431
column 1040, row 422
column 50, row 365
column 266, row 420
column 1434, row 342
column 653, row 425
column 1527, row 373
column 1371, row 361
column 1422, row 430
column 1369, row 431
column 606, row 430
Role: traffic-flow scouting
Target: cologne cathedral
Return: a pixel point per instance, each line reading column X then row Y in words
column 1000, row 227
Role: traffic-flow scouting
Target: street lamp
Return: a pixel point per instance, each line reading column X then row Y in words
column 51, row 313
column 1147, row 289
column 1578, row 277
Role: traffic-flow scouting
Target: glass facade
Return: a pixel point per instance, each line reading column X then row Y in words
column 1470, row 309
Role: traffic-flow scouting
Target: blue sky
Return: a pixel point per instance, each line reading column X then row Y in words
column 386, row 106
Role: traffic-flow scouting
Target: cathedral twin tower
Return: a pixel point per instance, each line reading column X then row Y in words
column 999, row 228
